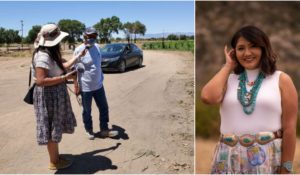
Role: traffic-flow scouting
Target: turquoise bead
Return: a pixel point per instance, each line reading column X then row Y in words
column 228, row 139
column 265, row 138
column 248, row 99
column 246, row 140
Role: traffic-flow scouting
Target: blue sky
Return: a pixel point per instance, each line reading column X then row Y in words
column 166, row 16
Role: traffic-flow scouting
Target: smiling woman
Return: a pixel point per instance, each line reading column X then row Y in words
column 258, row 108
column 250, row 46
column 248, row 54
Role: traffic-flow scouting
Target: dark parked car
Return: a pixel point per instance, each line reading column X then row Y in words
column 119, row 56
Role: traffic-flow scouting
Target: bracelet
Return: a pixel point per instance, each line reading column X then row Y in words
column 288, row 165
column 63, row 77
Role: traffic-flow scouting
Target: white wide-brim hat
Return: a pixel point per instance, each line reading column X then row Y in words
column 50, row 35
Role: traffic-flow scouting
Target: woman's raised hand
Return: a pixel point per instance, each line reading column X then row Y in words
column 230, row 61
column 81, row 54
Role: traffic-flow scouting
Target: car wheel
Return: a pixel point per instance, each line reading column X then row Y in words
column 140, row 62
column 122, row 66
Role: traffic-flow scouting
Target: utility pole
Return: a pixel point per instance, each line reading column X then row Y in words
column 22, row 33
column 163, row 40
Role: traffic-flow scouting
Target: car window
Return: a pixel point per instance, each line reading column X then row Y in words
column 112, row 48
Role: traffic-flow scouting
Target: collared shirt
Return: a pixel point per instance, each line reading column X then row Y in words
column 92, row 78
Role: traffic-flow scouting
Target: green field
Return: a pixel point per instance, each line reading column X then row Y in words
column 184, row 45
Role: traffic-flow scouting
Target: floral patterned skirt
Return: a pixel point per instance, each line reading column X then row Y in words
column 255, row 159
column 53, row 112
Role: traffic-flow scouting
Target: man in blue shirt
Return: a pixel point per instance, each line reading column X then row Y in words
column 91, row 85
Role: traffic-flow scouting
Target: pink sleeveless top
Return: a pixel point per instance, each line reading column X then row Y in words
column 266, row 115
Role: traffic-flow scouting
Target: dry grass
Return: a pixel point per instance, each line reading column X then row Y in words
column 26, row 53
column 205, row 149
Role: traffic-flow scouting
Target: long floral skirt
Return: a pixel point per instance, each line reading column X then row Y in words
column 53, row 112
column 256, row 159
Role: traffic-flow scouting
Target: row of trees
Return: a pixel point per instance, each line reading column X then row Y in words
column 179, row 37
column 173, row 37
column 9, row 36
column 134, row 28
column 106, row 27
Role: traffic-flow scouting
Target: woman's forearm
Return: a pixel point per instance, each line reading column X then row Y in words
column 288, row 148
column 288, row 144
column 213, row 92
column 71, row 62
column 289, row 102
column 51, row 81
column 75, row 58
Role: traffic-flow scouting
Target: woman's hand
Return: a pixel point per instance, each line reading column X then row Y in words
column 230, row 61
column 81, row 54
column 70, row 75
column 75, row 59
column 213, row 92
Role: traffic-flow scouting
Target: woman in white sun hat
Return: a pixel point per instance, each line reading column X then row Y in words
column 51, row 100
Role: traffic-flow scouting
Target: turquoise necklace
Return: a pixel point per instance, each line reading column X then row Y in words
column 248, row 99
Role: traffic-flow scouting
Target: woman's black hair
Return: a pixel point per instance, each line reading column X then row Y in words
column 54, row 53
column 258, row 38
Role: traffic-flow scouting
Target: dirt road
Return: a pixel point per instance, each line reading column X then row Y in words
column 152, row 107
column 205, row 150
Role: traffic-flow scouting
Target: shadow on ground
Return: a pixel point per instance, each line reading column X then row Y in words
column 89, row 162
column 122, row 134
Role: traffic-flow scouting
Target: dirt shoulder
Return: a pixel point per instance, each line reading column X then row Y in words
column 152, row 107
